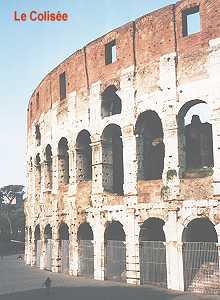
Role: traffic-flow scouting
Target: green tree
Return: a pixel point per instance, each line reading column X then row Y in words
column 12, row 219
column 8, row 193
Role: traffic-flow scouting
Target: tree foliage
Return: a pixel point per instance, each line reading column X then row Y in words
column 9, row 192
column 12, row 219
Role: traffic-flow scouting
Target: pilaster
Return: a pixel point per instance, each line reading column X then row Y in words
column 97, row 172
column 72, row 170
column 99, row 263
column 174, row 258
column 55, row 172
column 55, row 249
column 171, row 173
column 42, row 249
column 216, row 150
column 73, row 251
column 132, row 248
column 130, row 165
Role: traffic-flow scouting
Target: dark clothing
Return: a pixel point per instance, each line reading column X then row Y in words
column 47, row 284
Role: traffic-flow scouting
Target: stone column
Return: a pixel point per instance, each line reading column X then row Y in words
column 99, row 265
column 55, row 249
column 218, row 247
column 72, row 169
column 73, row 251
column 127, row 94
column 43, row 181
column 97, row 172
column 217, row 228
column 213, row 68
column 30, row 186
column 26, row 251
column 171, row 161
column 37, row 182
column 48, row 176
column 42, row 248
column 174, row 259
column 95, row 100
column 95, row 105
column 216, row 150
column 55, row 172
column 28, row 247
column 132, row 248
column 32, row 192
column 33, row 250
column 130, row 165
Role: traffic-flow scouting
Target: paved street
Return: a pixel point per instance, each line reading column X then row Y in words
column 18, row 281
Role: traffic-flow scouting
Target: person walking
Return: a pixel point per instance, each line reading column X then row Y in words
column 47, row 284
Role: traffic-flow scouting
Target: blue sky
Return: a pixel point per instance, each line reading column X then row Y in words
column 30, row 50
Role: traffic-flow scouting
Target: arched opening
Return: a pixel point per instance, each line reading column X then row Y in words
column 83, row 157
column 115, row 252
column 152, row 251
column 112, row 160
column 63, row 161
column 85, row 251
column 49, row 167
column 48, row 247
column 64, row 247
column 195, row 138
column 37, row 244
column 37, row 175
column 200, row 255
column 150, row 146
column 111, row 102
column 38, row 135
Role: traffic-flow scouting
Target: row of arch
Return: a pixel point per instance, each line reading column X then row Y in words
column 112, row 159
column 200, row 234
column 195, row 150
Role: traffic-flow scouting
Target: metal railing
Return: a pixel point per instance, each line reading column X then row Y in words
column 86, row 258
column 153, row 263
column 201, row 267
column 37, row 252
column 64, row 253
column 48, row 263
column 115, row 260
column 200, row 262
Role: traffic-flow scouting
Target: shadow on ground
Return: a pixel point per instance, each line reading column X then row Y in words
column 102, row 293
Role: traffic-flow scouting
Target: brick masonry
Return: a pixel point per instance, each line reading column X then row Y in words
column 156, row 69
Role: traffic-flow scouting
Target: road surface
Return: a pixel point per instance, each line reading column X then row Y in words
column 21, row 282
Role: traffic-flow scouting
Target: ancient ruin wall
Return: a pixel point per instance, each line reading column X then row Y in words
column 157, row 69
column 141, row 44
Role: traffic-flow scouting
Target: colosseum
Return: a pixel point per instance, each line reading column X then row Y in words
column 123, row 161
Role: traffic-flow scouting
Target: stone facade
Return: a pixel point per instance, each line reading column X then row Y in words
column 89, row 167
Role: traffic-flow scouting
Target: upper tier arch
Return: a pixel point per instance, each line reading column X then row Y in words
column 135, row 46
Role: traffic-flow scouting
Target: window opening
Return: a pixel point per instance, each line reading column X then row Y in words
column 111, row 102
column 37, row 100
column 110, row 53
column 191, row 21
column 62, row 80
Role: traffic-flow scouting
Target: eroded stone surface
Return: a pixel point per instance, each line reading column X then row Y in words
column 159, row 70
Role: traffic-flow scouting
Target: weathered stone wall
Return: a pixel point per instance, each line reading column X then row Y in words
column 157, row 69
column 149, row 191
column 196, row 188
